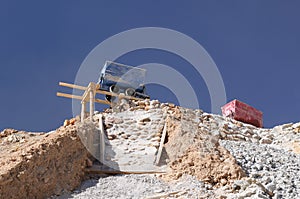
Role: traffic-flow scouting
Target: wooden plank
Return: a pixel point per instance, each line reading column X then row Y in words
column 99, row 171
column 68, row 96
column 86, row 94
column 163, row 195
column 80, row 98
column 92, row 104
column 72, row 86
column 82, row 111
column 102, row 101
column 102, row 137
column 161, row 145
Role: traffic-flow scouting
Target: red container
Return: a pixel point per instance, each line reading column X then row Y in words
column 243, row 112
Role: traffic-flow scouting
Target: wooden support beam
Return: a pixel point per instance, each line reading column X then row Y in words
column 86, row 94
column 82, row 110
column 68, row 96
column 102, row 101
column 92, row 104
column 164, row 195
column 97, row 170
column 72, row 86
column 102, row 139
column 161, row 145
column 80, row 98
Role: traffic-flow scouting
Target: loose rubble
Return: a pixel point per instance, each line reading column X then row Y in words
column 277, row 170
column 265, row 161
column 206, row 155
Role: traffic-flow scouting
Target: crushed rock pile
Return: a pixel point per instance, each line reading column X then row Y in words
column 224, row 158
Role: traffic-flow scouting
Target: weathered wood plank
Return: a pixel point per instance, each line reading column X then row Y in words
column 69, row 96
column 102, row 137
column 72, row 86
column 163, row 195
column 80, row 98
column 161, row 144
column 97, row 170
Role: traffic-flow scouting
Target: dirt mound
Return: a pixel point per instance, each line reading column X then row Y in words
column 217, row 168
column 38, row 165
column 194, row 151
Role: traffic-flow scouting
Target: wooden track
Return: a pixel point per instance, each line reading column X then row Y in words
column 96, row 91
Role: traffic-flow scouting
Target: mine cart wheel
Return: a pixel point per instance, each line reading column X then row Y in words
column 129, row 91
column 114, row 88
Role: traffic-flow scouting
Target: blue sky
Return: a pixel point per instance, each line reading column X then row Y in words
column 255, row 45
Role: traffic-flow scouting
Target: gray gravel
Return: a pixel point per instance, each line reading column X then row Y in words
column 270, row 170
column 137, row 186
column 278, row 170
column 273, row 171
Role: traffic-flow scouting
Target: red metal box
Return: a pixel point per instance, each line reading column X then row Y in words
column 243, row 112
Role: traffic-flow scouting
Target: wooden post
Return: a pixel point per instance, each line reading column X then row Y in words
column 82, row 110
column 161, row 145
column 92, row 104
column 102, row 139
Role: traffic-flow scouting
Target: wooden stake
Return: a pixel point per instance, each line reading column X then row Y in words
column 72, row 86
column 92, row 104
column 97, row 170
column 161, row 145
column 68, row 96
column 102, row 141
column 163, row 195
column 82, row 110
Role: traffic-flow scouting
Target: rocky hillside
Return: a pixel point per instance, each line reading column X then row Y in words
column 204, row 156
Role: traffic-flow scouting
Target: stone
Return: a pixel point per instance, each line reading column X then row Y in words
column 155, row 144
column 223, row 181
column 271, row 187
column 171, row 105
column 297, row 130
column 265, row 141
column 222, row 134
column 113, row 120
column 132, row 137
column 158, row 191
column 73, row 121
column 286, row 126
column 111, row 137
column 66, row 123
column 260, row 195
column 155, row 139
column 125, row 136
column 162, row 105
column 147, row 119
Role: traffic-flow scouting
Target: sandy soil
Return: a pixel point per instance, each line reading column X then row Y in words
column 38, row 165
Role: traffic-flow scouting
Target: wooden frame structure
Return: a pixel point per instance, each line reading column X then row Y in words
column 89, row 96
